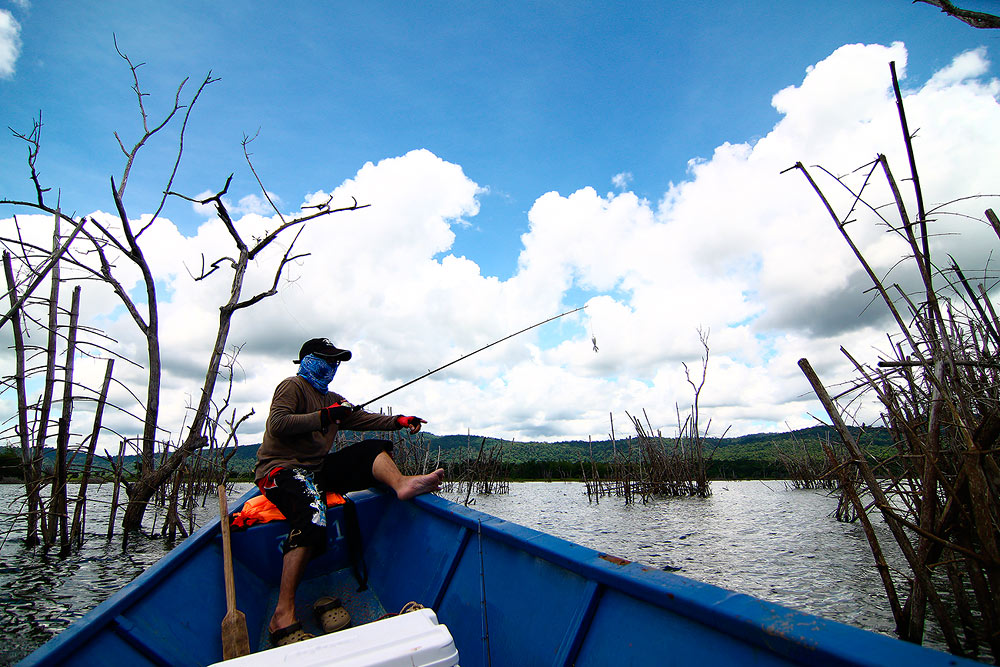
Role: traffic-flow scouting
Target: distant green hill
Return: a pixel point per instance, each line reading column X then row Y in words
column 744, row 456
column 763, row 446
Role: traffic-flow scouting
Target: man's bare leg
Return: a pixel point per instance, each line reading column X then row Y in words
column 293, row 564
column 406, row 486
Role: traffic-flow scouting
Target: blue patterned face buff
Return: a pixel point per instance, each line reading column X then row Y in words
column 317, row 372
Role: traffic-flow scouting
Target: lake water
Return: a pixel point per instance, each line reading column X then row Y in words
column 753, row 537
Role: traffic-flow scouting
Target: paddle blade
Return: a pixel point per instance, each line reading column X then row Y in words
column 235, row 639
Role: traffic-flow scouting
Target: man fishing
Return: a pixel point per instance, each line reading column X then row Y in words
column 296, row 467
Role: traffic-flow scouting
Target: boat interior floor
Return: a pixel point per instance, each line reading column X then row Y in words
column 363, row 606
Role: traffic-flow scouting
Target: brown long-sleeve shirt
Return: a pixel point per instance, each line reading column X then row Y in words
column 294, row 435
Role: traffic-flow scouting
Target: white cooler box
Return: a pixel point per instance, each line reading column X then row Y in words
column 414, row 639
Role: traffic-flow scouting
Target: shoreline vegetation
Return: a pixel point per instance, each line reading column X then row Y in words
column 767, row 456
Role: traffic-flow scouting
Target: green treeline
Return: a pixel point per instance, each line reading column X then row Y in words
column 10, row 463
column 571, row 470
column 745, row 457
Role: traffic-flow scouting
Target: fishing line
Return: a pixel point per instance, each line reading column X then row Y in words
column 466, row 356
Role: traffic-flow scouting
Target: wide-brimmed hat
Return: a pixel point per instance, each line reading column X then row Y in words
column 323, row 348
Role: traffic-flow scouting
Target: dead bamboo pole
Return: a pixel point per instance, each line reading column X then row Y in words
column 29, row 470
column 116, row 466
column 45, row 411
column 994, row 221
column 919, row 569
column 857, row 252
column 59, row 509
column 77, row 530
column 914, row 176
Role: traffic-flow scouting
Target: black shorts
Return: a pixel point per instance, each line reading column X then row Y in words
column 301, row 494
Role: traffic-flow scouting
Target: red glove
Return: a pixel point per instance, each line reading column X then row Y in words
column 412, row 423
column 332, row 414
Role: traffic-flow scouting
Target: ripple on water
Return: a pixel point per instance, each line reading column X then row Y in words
column 756, row 538
column 41, row 594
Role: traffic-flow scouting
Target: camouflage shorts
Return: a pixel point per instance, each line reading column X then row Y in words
column 301, row 494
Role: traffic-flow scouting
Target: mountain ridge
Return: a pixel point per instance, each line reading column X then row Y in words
column 758, row 451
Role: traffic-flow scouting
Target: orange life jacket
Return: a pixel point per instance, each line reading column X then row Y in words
column 261, row 510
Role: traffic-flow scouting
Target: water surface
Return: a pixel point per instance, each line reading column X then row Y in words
column 753, row 537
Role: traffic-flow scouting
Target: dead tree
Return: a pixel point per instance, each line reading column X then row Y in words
column 804, row 469
column 98, row 254
column 33, row 139
column 58, row 506
column 79, row 511
column 697, row 437
column 652, row 465
column 30, row 471
column 46, row 522
column 131, row 249
column 117, row 467
column 128, row 247
column 939, row 389
column 144, row 488
column 50, row 516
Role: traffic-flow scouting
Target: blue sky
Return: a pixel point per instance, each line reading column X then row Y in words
column 593, row 113
column 527, row 97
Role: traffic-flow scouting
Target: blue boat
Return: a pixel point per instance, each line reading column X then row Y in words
column 506, row 595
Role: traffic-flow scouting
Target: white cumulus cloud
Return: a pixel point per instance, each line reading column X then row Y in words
column 739, row 249
column 621, row 180
column 10, row 43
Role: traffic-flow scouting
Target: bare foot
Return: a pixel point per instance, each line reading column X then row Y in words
column 281, row 620
column 415, row 485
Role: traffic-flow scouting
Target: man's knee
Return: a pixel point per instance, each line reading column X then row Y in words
column 350, row 469
column 310, row 536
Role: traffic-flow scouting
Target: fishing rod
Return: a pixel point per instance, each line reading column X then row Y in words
column 466, row 356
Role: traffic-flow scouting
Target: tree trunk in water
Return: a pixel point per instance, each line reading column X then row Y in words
column 41, row 434
column 140, row 491
column 150, row 330
column 59, row 508
column 77, row 529
column 117, row 465
column 148, row 483
column 31, row 479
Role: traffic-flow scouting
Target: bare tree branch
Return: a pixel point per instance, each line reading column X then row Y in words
column 975, row 19
column 180, row 150
column 216, row 265
column 288, row 257
column 147, row 132
column 324, row 210
column 41, row 273
column 108, row 276
column 33, row 139
column 246, row 154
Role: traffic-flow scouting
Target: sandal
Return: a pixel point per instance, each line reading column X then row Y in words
column 330, row 614
column 289, row 635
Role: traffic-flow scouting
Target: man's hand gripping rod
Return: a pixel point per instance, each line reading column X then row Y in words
column 428, row 373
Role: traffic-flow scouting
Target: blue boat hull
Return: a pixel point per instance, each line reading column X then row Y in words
column 508, row 594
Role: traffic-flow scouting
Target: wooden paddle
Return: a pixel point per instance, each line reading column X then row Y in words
column 235, row 639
